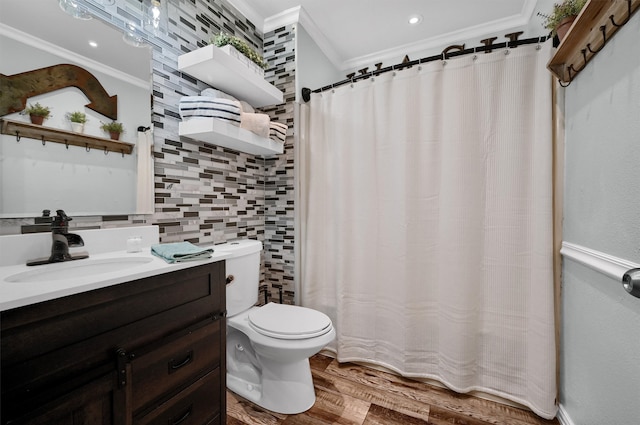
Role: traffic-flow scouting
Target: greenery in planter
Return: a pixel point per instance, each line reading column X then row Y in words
column 224, row 39
column 37, row 110
column 77, row 116
column 113, row 126
column 561, row 11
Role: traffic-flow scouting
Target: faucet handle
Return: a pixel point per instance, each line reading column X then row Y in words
column 61, row 221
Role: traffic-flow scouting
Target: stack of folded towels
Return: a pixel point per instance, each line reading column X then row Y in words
column 179, row 252
column 217, row 104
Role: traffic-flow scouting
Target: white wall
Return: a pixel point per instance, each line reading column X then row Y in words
column 313, row 68
column 600, row 335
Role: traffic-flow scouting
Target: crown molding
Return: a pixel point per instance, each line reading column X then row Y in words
column 439, row 42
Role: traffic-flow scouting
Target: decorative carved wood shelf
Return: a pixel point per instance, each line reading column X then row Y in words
column 56, row 135
column 597, row 23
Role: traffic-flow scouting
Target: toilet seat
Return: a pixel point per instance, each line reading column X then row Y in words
column 285, row 321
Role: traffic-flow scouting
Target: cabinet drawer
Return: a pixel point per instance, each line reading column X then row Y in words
column 195, row 405
column 174, row 363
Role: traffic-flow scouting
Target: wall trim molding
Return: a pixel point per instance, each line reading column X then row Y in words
column 606, row 264
column 563, row 416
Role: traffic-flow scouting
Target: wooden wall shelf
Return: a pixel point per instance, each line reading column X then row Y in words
column 48, row 134
column 597, row 23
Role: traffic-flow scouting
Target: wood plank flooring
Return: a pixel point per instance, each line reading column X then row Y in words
column 348, row 394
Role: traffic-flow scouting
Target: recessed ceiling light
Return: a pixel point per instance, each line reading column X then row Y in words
column 93, row 43
column 415, row 19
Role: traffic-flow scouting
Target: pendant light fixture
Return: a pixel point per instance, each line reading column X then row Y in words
column 75, row 9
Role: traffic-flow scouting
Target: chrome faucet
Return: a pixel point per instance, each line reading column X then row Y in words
column 61, row 241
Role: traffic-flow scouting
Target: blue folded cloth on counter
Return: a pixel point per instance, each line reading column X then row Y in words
column 178, row 252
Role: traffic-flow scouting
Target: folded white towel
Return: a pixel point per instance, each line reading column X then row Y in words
column 218, row 94
column 203, row 106
column 277, row 131
column 256, row 123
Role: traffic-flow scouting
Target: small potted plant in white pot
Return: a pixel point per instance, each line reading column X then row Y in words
column 37, row 113
column 113, row 128
column 77, row 120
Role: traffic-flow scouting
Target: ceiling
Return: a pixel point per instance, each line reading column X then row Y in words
column 353, row 32
column 44, row 20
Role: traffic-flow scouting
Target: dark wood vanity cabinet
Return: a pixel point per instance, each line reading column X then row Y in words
column 149, row 351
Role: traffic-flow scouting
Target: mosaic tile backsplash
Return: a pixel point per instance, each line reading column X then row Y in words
column 204, row 193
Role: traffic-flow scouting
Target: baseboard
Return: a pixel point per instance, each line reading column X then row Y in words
column 563, row 416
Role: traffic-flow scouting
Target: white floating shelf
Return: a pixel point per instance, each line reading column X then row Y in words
column 220, row 133
column 224, row 72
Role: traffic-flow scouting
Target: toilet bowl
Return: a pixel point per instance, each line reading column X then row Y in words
column 268, row 347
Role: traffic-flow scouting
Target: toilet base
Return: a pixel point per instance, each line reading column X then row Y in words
column 284, row 388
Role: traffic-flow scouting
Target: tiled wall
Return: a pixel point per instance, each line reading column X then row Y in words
column 204, row 193
column 279, row 47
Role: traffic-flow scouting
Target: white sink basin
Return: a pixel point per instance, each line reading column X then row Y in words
column 77, row 268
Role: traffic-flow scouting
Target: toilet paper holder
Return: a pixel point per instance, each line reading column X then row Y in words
column 631, row 282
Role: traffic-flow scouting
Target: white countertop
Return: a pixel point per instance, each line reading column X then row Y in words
column 18, row 294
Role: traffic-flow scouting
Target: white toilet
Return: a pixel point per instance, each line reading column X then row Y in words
column 268, row 348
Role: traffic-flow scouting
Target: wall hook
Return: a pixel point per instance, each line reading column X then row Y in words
column 18, row 136
column 122, row 152
column 627, row 18
column 66, row 143
column 43, row 141
column 604, row 40
column 87, row 148
column 106, row 152
column 570, row 78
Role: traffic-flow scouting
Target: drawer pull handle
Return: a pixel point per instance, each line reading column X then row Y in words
column 173, row 365
column 182, row 418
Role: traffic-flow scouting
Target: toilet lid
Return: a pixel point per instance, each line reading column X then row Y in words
column 289, row 321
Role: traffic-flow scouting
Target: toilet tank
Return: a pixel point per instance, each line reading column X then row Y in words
column 244, row 266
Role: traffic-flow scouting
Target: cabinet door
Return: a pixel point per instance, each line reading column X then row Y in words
column 174, row 363
column 91, row 404
column 192, row 406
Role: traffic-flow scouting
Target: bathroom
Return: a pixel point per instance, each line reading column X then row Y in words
column 251, row 197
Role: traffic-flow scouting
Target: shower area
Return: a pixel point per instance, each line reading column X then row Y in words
column 426, row 221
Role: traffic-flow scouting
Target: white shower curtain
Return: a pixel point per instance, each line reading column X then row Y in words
column 426, row 222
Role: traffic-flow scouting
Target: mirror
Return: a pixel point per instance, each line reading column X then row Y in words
column 34, row 175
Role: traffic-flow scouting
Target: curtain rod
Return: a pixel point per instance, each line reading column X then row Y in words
column 306, row 92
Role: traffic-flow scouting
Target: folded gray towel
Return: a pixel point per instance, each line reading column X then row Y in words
column 178, row 252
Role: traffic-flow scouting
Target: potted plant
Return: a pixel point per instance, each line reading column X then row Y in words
column 221, row 40
column 37, row 113
column 113, row 128
column 77, row 119
column 562, row 16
